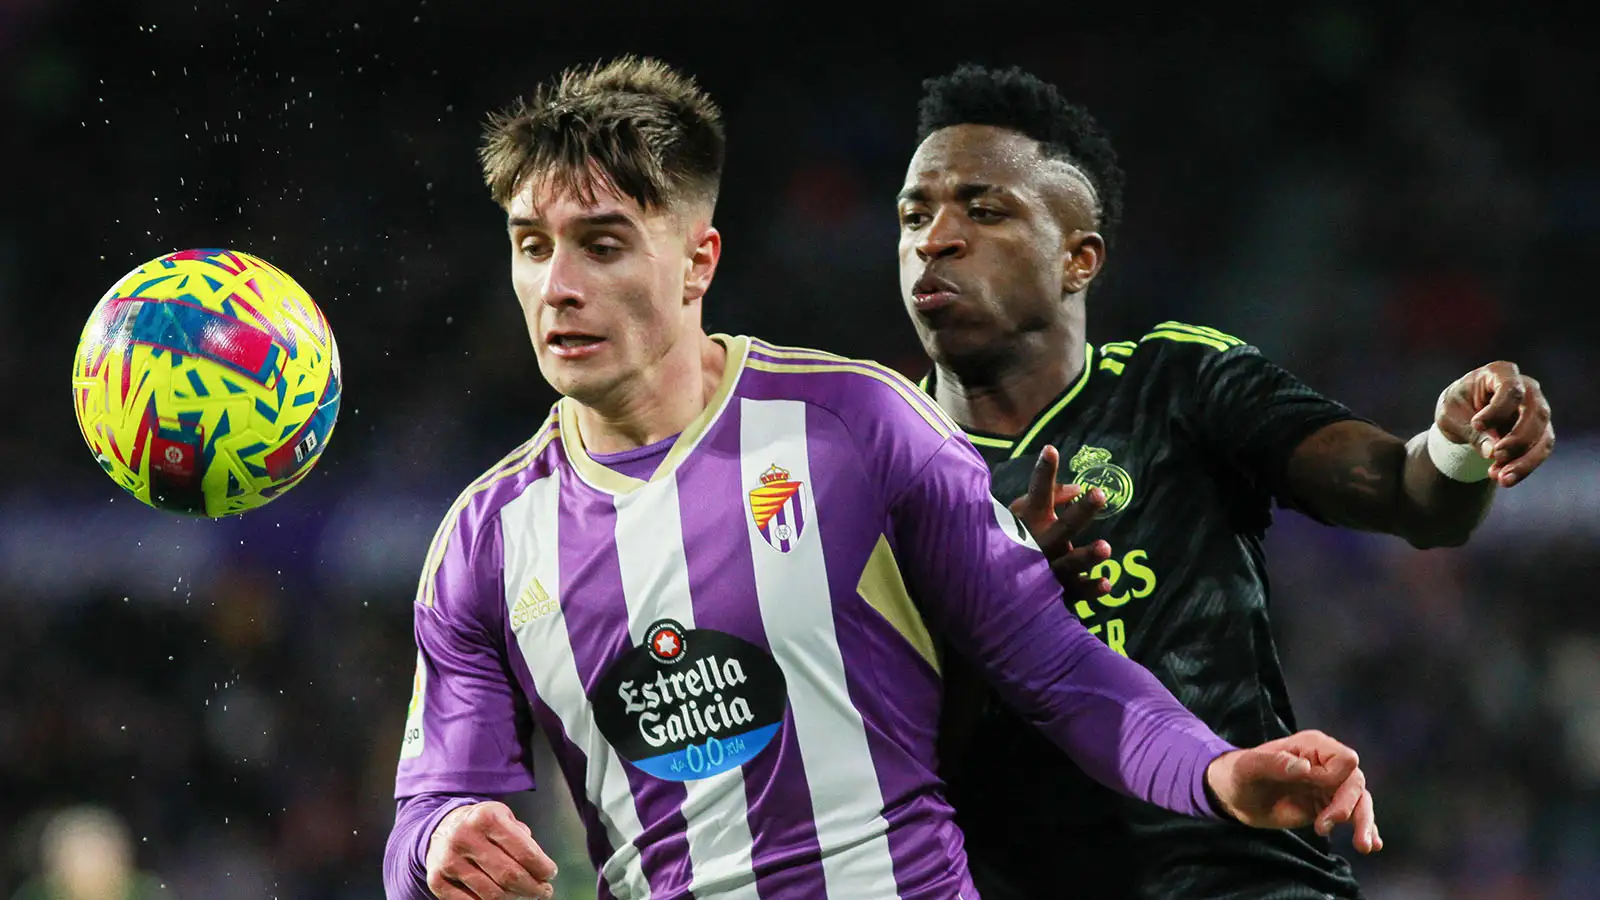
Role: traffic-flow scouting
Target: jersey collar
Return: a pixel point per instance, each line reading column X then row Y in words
column 614, row 482
column 1014, row 446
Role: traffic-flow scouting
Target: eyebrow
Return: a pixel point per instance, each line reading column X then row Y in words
column 598, row 220
column 964, row 191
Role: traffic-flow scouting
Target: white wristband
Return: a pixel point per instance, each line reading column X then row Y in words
column 1457, row 462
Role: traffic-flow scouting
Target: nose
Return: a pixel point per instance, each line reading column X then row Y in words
column 562, row 280
column 943, row 238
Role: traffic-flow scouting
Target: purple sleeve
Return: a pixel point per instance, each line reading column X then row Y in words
column 468, row 725
column 983, row 581
column 405, row 875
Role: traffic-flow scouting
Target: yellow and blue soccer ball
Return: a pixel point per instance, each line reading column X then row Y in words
column 206, row 382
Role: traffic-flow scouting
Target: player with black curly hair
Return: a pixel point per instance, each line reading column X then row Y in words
column 1176, row 446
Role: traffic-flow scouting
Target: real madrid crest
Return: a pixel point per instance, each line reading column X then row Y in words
column 778, row 508
column 1092, row 467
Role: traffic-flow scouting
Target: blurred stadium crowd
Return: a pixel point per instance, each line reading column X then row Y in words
column 1379, row 197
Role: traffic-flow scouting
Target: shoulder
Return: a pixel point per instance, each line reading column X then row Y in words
column 858, row 392
column 893, row 428
column 474, row 513
column 1175, row 346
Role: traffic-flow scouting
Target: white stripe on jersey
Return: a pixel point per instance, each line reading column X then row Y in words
column 797, row 612
column 529, row 527
column 655, row 580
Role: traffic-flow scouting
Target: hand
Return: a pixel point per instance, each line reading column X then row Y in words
column 1054, row 534
column 482, row 852
column 1294, row 781
column 1504, row 414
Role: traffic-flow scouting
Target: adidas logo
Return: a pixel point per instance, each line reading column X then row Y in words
column 532, row 603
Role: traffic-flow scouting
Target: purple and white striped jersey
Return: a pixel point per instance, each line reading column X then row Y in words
column 737, row 660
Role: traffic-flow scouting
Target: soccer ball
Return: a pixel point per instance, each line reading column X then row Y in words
column 206, row 382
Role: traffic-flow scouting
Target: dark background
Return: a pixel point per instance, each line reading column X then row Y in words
column 1378, row 196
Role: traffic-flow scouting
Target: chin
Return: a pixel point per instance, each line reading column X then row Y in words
column 560, row 376
column 587, row 388
column 954, row 345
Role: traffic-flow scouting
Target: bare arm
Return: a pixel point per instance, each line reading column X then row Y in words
column 1357, row 475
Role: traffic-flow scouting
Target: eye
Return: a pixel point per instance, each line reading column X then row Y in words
column 533, row 248
column 985, row 214
column 913, row 218
column 604, row 249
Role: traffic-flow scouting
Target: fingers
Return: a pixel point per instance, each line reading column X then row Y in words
column 1530, row 441
column 1515, row 471
column 485, row 850
column 1076, row 520
column 1505, row 387
column 1332, row 763
column 449, row 890
column 1365, row 822
column 1343, row 805
column 480, row 884
column 1291, row 767
column 1532, row 415
column 1077, row 589
column 1052, row 537
column 512, row 857
column 1072, row 567
column 501, row 880
column 1065, row 493
column 1042, row 483
column 1037, row 507
column 1314, row 758
column 531, row 862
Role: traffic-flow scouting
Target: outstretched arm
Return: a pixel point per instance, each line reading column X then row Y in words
column 1491, row 427
column 984, row 583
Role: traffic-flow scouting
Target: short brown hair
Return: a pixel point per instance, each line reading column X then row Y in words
column 633, row 126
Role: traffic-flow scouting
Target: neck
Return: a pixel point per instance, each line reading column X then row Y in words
column 1004, row 399
column 660, row 403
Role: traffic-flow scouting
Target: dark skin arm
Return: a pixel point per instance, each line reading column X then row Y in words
column 1357, row 475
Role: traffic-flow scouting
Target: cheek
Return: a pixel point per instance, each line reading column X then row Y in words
column 1033, row 267
column 526, row 283
column 649, row 307
column 909, row 270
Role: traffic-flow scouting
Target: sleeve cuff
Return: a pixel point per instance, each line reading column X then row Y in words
column 419, row 851
column 1205, row 799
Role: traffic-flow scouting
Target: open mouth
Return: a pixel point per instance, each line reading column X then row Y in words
column 573, row 344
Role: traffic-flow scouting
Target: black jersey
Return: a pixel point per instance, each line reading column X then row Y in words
column 1188, row 431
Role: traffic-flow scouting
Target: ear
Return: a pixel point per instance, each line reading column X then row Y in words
column 1082, row 255
column 702, row 262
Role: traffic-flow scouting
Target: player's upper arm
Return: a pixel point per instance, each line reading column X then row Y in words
column 971, row 564
column 467, row 725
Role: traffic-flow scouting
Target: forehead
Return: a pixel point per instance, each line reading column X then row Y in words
column 554, row 201
column 975, row 153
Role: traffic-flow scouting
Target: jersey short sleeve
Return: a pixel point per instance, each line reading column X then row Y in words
column 1253, row 413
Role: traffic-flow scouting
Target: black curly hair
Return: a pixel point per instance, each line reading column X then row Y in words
column 1018, row 100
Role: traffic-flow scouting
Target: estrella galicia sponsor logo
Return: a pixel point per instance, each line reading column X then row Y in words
column 690, row 703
